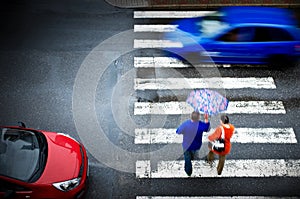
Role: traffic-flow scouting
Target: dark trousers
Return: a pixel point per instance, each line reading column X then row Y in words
column 188, row 157
column 211, row 157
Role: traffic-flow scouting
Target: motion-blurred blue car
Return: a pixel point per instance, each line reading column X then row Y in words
column 239, row 35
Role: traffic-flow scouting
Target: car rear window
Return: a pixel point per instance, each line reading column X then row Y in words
column 269, row 34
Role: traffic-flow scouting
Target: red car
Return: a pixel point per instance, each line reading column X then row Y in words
column 41, row 164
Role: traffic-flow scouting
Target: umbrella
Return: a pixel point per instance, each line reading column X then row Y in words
column 207, row 101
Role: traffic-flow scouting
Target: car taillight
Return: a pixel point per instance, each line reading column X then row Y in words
column 297, row 48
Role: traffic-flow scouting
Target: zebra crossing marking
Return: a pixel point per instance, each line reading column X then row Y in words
column 155, row 28
column 153, row 43
column 158, row 62
column 234, row 168
column 214, row 82
column 242, row 135
column 172, row 62
column 234, row 107
column 169, row 14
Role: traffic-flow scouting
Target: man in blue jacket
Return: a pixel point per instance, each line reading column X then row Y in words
column 192, row 131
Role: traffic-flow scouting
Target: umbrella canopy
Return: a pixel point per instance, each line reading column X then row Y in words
column 207, row 101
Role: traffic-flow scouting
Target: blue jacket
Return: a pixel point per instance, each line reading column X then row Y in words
column 192, row 134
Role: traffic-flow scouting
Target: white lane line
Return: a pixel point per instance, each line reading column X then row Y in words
column 171, row 62
column 234, row 107
column 148, row 43
column 155, row 28
column 194, row 83
column 170, row 14
column 209, row 197
column 233, row 168
column 242, row 135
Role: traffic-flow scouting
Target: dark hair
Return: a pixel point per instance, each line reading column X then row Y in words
column 225, row 119
column 195, row 116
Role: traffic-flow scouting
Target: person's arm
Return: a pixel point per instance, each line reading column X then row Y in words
column 215, row 135
column 233, row 131
column 206, row 124
column 180, row 129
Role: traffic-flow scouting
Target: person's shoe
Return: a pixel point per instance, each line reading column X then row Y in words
column 209, row 162
column 188, row 174
column 188, row 171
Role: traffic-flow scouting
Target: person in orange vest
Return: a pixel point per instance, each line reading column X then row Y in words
column 227, row 130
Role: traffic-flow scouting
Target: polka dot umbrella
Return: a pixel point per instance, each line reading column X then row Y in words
column 207, row 101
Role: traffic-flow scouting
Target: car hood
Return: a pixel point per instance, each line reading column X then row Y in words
column 64, row 159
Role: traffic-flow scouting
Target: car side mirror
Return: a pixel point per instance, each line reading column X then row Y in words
column 22, row 124
column 9, row 194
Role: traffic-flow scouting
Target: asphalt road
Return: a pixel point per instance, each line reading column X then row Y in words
column 44, row 45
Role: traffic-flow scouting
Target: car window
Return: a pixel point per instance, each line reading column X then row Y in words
column 19, row 154
column 269, row 34
column 244, row 34
column 212, row 24
column 278, row 34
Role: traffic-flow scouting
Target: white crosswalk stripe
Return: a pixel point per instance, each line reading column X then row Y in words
column 152, row 43
column 171, row 62
column 158, row 62
column 234, row 107
column 155, row 28
column 234, row 168
column 194, row 83
column 170, row 14
column 242, row 135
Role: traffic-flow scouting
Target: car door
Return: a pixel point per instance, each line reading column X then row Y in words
column 14, row 190
column 234, row 46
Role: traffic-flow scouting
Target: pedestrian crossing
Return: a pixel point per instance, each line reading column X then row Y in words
column 234, row 107
column 197, row 83
column 153, row 43
column 170, row 14
column 242, row 135
column 155, row 28
column 170, row 62
column 234, row 168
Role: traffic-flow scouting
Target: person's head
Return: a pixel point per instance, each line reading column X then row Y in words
column 195, row 116
column 224, row 119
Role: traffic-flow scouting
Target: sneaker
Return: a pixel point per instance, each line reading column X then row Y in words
column 210, row 163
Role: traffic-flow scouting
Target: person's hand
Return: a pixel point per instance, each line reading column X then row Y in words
column 206, row 117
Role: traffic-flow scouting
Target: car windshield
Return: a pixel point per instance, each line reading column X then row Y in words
column 212, row 24
column 22, row 154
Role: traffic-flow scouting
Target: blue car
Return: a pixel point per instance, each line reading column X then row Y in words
column 239, row 35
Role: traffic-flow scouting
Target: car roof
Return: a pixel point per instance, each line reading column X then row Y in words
column 257, row 14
